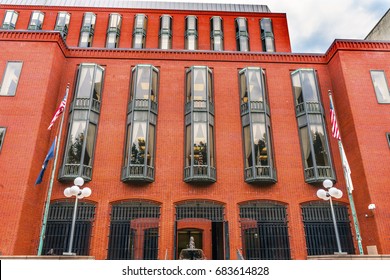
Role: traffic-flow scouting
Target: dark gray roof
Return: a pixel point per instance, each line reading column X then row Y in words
column 153, row 5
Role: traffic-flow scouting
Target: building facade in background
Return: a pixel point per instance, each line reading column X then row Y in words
column 187, row 120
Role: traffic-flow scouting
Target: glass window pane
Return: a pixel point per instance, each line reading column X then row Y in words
column 11, row 78
column 255, row 87
column 85, row 82
column 89, row 147
column 296, row 81
column 143, row 83
column 188, row 146
column 199, row 84
column 260, row 144
column 75, row 142
column 243, row 44
column 307, row 158
column 380, row 86
column 111, row 40
column 309, row 86
column 243, row 88
column 98, row 85
column 138, row 41
column 319, row 145
column 212, row 157
column 127, row 147
column 165, row 42
column 188, row 85
column 200, row 144
column 150, row 159
column 2, row 135
column 153, row 93
column 85, row 40
column 191, row 42
column 210, row 86
column 138, row 142
column 248, row 147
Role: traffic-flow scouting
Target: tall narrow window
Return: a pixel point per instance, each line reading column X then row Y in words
column 139, row 31
column 10, row 19
column 256, row 123
column 319, row 228
column 381, row 86
column 267, row 35
column 165, row 34
column 113, row 31
column 311, row 125
column 87, row 30
column 62, row 23
column 59, row 223
column 141, row 125
column 242, row 35
column 83, row 123
column 36, row 20
column 264, row 231
column 199, row 126
column 11, row 78
column 216, row 34
column 191, row 33
column 2, row 135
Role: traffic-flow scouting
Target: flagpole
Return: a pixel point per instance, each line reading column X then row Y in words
column 48, row 198
column 349, row 187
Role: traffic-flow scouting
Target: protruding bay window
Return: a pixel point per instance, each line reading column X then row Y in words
column 165, row 34
column 191, row 33
column 36, row 20
column 113, row 31
column 139, row 31
column 62, row 23
column 10, row 19
column 267, row 35
column 83, row 123
column 141, row 125
column 216, row 33
column 311, row 125
column 199, row 126
column 255, row 117
column 242, row 35
column 87, row 30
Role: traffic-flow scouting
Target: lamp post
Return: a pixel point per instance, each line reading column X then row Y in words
column 79, row 194
column 327, row 195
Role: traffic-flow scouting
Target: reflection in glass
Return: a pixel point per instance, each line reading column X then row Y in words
column 36, row 20
column 216, row 31
column 165, row 41
column 139, row 31
column 76, row 142
column 267, row 36
column 380, row 86
column 242, row 35
column 191, row 33
column 10, row 19
column 62, row 23
column 113, row 30
column 87, row 30
column 11, row 78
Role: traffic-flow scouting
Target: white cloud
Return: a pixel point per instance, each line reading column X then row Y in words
column 315, row 24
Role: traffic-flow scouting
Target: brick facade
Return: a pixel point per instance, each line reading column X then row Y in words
column 49, row 64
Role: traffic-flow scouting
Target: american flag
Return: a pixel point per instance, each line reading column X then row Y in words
column 60, row 109
column 333, row 121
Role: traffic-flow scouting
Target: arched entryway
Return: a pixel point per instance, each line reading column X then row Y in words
column 205, row 222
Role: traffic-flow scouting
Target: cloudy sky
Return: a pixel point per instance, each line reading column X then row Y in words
column 315, row 24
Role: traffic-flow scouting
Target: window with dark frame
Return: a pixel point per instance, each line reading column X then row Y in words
column 83, row 124
column 2, row 136
column 87, row 30
column 11, row 78
column 113, row 31
column 388, row 138
column 165, row 34
column 139, row 155
column 139, row 31
column 10, row 19
column 191, row 33
column 62, row 23
column 311, row 127
column 381, row 86
column 267, row 35
column 216, row 33
column 36, row 20
column 242, row 35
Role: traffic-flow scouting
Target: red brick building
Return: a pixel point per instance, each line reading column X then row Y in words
column 187, row 120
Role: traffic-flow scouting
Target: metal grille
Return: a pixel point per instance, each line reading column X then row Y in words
column 319, row 228
column 200, row 210
column 59, row 224
column 264, row 231
column 134, row 231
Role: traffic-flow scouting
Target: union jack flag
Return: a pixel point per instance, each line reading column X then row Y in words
column 333, row 121
column 60, row 109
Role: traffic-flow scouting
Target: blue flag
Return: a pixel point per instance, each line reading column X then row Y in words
column 49, row 156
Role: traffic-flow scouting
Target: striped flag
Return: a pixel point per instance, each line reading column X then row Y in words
column 333, row 121
column 60, row 109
